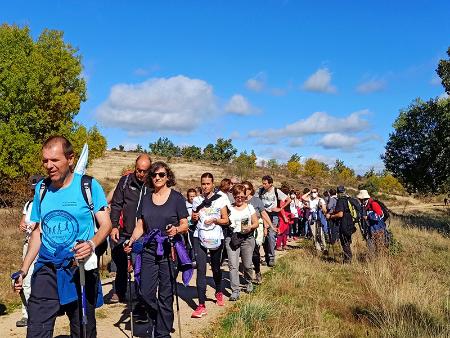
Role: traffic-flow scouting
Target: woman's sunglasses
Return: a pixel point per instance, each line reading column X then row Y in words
column 160, row 175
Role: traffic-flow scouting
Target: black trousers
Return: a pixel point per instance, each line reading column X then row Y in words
column 216, row 262
column 44, row 307
column 120, row 259
column 156, row 289
column 256, row 259
column 346, row 241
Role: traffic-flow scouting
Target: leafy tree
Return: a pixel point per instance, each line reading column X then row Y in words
column 224, row 150
column 418, row 151
column 41, row 89
column 294, row 158
column 342, row 173
column 244, row 165
column 164, row 147
column 191, row 152
column 294, row 166
column 139, row 148
column 121, row 147
column 273, row 166
column 314, row 168
column 443, row 71
column 79, row 135
column 208, row 152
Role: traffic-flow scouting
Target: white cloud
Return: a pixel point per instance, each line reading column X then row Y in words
column 371, row 86
column 176, row 104
column 320, row 82
column 443, row 96
column 328, row 160
column 338, row 141
column 235, row 135
column 256, row 83
column 239, row 105
column 277, row 153
column 296, row 142
column 318, row 123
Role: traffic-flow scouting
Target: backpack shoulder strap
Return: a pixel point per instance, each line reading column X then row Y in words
column 43, row 188
column 86, row 184
column 260, row 193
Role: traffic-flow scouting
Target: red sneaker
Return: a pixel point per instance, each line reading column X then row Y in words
column 219, row 299
column 199, row 312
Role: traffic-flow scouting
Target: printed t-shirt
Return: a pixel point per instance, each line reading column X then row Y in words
column 241, row 219
column 209, row 213
column 64, row 214
column 160, row 216
column 293, row 208
column 270, row 199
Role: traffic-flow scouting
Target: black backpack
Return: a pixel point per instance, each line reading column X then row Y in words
column 86, row 190
column 385, row 210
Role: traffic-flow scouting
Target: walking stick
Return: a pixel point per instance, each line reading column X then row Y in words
column 172, row 279
column 130, row 300
column 83, row 298
column 83, row 294
column 14, row 277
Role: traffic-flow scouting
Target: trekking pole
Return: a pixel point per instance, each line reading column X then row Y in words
column 15, row 276
column 83, row 294
column 172, row 279
column 130, row 300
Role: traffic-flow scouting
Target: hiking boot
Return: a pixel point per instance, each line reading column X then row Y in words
column 234, row 296
column 271, row 264
column 199, row 312
column 22, row 322
column 258, row 278
column 249, row 288
column 219, row 299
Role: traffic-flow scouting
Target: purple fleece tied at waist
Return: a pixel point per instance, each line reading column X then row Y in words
column 157, row 236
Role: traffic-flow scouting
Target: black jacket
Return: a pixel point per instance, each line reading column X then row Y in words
column 126, row 198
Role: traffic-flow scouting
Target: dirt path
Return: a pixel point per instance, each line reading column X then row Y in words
column 113, row 319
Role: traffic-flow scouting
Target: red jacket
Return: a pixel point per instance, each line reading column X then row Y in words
column 375, row 207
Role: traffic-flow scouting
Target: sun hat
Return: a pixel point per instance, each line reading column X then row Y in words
column 363, row 194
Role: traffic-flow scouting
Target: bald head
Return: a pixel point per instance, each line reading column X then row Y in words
column 142, row 166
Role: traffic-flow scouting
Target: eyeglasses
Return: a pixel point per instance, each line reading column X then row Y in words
column 240, row 197
column 160, row 175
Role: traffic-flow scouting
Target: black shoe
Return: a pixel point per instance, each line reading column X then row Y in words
column 271, row 264
column 22, row 322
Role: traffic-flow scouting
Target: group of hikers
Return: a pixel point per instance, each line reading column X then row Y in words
column 156, row 233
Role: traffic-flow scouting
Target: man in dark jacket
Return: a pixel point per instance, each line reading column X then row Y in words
column 124, row 203
column 343, row 218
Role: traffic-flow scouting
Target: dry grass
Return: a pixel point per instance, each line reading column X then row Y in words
column 405, row 295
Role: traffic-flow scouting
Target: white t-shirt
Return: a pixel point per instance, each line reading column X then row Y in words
column 241, row 218
column 209, row 213
column 27, row 212
column 314, row 203
column 293, row 206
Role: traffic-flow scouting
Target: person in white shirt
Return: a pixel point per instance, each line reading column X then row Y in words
column 210, row 214
column 240, row 241
column 27, row 227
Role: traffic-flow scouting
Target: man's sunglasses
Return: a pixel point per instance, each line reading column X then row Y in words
column 160, row 175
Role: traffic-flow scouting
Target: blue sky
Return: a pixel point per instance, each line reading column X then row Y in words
column 324, row 79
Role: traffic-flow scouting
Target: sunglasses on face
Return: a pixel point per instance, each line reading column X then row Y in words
column 160, row 175
column 141, row 171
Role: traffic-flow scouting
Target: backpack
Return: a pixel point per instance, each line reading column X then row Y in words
column 385, row 210
column 86, row 190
